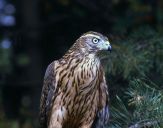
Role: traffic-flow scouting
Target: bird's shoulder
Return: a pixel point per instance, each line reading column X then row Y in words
column 48, row 91
column 51, row 69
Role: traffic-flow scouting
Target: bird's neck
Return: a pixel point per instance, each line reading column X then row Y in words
column 85, row 67
column 80, row 53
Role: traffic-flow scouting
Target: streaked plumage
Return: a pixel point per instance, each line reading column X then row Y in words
column 75, row 91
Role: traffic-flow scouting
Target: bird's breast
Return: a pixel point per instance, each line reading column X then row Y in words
column 81, row 76
column 78, row 81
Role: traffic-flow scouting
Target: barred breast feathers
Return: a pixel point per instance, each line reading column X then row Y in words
column 80, row 68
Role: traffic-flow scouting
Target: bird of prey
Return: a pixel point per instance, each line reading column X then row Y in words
column 75, row 92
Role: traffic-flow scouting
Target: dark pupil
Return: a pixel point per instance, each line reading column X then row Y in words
column 95, row 40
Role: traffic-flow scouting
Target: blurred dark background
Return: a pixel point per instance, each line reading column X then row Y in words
column 33, row 33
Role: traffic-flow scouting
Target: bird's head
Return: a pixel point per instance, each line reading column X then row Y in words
column 94, row 42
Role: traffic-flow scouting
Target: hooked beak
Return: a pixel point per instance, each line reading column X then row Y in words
column 109, row 48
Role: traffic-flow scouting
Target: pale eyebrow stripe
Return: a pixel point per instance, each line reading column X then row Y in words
column 91, row 35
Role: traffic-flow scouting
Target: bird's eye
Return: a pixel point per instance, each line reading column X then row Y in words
column 95, row 40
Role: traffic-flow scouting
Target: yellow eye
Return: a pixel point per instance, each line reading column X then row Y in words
column 95, row 40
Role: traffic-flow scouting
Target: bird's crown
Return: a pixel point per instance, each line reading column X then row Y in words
column 92, row 34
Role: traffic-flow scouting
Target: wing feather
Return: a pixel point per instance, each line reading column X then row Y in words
column 102, row 116
column 48, row 93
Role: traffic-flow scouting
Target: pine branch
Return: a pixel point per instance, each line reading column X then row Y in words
column 144, row 107
column 142, row 124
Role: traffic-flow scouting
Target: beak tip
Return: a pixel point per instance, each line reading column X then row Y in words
column 110, row 49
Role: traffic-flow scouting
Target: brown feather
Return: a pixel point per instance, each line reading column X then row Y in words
column 74, row 89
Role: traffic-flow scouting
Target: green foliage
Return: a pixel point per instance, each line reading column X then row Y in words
column 148, row 101
column 145, row 102
column 138, row 55
column 5, row 60
column 120, row 116
column 22, row 60
column 9, row 124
